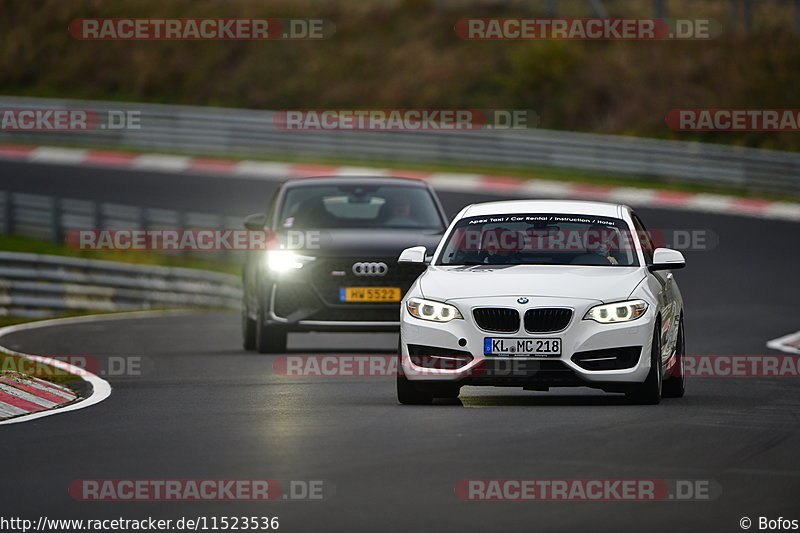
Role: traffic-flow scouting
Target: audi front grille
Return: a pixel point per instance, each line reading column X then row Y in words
column 546, row 320
column 329, row 275
column 499, row 319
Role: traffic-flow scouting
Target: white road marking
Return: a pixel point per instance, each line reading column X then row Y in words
column 788, row 343
column 548, row 189
column 44, row 386
column 27, row 396
column 714, row 203
column 48, row 154
column 361, row 171
column 161, row 162
column 448, row 181
column 262, row 169
column 10, row 410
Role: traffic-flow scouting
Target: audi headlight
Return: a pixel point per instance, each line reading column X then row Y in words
column 430, row 310
column 617, row 312
column 283, row 260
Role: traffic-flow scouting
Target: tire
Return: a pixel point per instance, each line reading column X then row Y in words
column 269, row 338
column 248, row 332
column 407, row 392
column 675, row 384
column 442, row 390
column 649, row 392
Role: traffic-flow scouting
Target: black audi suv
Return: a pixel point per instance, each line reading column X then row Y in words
column 333, row 264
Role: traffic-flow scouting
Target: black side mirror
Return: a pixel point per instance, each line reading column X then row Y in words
column 255, row 222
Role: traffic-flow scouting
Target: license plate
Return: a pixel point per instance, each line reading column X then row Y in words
column 369, row 294
column 518, row 347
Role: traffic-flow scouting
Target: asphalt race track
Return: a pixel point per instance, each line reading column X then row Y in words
column 203, row 408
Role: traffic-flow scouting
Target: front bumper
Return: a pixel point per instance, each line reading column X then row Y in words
column 297, row 307
column 308, row 299
column 464, row 336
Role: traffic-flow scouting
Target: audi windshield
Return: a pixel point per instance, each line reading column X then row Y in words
column 541, row 239
column 360, row 206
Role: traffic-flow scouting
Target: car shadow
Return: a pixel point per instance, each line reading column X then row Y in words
column 535, row 400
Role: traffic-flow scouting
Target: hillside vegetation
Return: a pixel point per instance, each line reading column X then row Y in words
column 406, row 54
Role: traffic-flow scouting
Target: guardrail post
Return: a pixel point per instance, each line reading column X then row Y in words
column 598, row 10
column 659, row 9
column 182, row 216
column 797, row 16
column 733, row 13
column 142, row 218
column 97, row 215
column 8, row 212
column 748, row 14
column 56, row 230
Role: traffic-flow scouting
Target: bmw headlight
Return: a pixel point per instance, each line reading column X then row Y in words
column 283, row 260
column 617, row 312
column 430, row 310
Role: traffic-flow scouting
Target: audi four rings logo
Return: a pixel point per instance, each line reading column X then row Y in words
column 370, row 269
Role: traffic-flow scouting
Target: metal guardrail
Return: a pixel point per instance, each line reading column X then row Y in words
column 246, row 132
column 34, row 285
column 52, row 218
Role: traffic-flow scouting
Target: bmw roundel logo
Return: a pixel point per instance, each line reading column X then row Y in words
column 522, row 300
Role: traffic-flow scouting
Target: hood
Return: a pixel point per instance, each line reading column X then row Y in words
column 364, row 243
column 601, row 283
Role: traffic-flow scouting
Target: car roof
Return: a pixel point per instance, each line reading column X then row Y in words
column 570, row 207
column 354, row 180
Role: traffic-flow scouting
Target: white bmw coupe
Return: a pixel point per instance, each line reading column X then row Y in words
column 539, row 294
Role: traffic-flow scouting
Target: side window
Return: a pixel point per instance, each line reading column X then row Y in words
column 644, row 239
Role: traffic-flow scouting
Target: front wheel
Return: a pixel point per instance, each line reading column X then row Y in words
column 269, row 338
column 407, row 392
column 675, row 384
column 649, row 392
column 248, row 331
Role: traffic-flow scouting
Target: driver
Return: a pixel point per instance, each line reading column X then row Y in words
column 399, row 209
column 600, row 241
column 497, row 252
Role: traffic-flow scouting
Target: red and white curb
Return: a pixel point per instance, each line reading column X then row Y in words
column 101, row 389
column 788, row 343
column 507, row 185
column 21, row 395
column 26, row 402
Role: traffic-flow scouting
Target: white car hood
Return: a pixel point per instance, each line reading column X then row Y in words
column 601, row 283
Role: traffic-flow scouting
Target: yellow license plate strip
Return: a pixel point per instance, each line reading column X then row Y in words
column 370, row 294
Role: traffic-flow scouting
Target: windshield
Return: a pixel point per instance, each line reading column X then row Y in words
column 540, row 239
column 359, row 206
